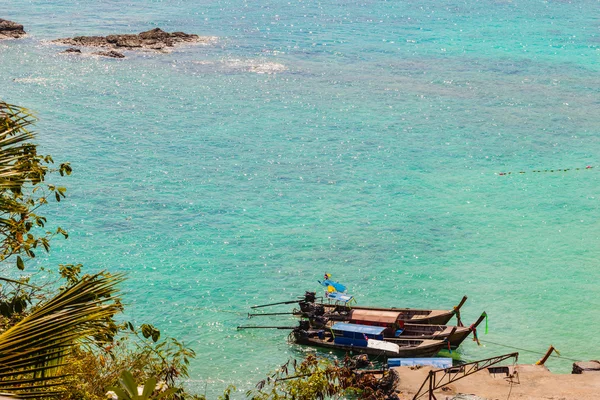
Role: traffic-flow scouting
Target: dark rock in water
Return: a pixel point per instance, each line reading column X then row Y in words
column 110, row 53
column 72, row 50
column 10, row 30
column 92, row 41
column 155, row 39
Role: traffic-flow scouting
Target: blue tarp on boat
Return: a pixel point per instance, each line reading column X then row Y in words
column 350, row 341
column 338, row 286
column 355, row 328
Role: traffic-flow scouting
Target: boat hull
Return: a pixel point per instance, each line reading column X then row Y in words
column 454, row 335
column 427, row 348
column 343, row 313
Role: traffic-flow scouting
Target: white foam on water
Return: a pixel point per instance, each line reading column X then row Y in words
column 248, row 65
column 256, row 66
column 268, row 68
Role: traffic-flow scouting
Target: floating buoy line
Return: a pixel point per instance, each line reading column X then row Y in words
column 547, row 170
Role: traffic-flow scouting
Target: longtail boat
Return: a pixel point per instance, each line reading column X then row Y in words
column 455, row 335
column 398, row 329
column 365, row 339
column 343, row 312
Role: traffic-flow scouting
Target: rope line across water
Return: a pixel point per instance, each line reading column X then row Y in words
column 526, row 350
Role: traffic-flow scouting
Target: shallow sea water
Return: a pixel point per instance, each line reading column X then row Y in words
column 361, row 139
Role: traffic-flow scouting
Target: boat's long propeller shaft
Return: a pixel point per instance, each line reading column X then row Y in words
column 266, row 327
column 274, row 304
column 273, row 313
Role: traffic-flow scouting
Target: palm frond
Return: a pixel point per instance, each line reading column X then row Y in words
column 33, row 350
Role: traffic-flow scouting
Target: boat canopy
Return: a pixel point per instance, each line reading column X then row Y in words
column 386, row 317
column 355, row 328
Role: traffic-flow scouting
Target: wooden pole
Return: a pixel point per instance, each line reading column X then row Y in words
column 464, row 299
column 547, row 355
column 481, row 318
column 431, row 395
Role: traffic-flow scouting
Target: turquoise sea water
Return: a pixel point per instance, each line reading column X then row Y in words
column 364, row 139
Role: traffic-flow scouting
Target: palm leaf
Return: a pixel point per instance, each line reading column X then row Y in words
column 33, row 350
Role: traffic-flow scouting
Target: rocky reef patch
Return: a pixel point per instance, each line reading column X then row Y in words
column 154, row 39
column 10, row 30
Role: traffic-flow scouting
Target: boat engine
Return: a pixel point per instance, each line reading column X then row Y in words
column 319, row 309
column 319, row 322
column 304, row 325
column 306, row 307
column 310, row 297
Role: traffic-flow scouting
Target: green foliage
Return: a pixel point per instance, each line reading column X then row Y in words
column 15, row 297
column 33, row 351
column 168, row 359
column 227, row 393
column 314, row 378
column 22, row 174
column 129, row 389
column 94, row 371
column 70, row 272
column 149, row 331
column 320, row 378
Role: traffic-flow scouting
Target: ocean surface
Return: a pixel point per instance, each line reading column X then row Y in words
column 372, row 140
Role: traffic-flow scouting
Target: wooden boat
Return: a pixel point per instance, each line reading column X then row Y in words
column 366, row 339
column 398, row 329
column 343, row 312
column 454, row 335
